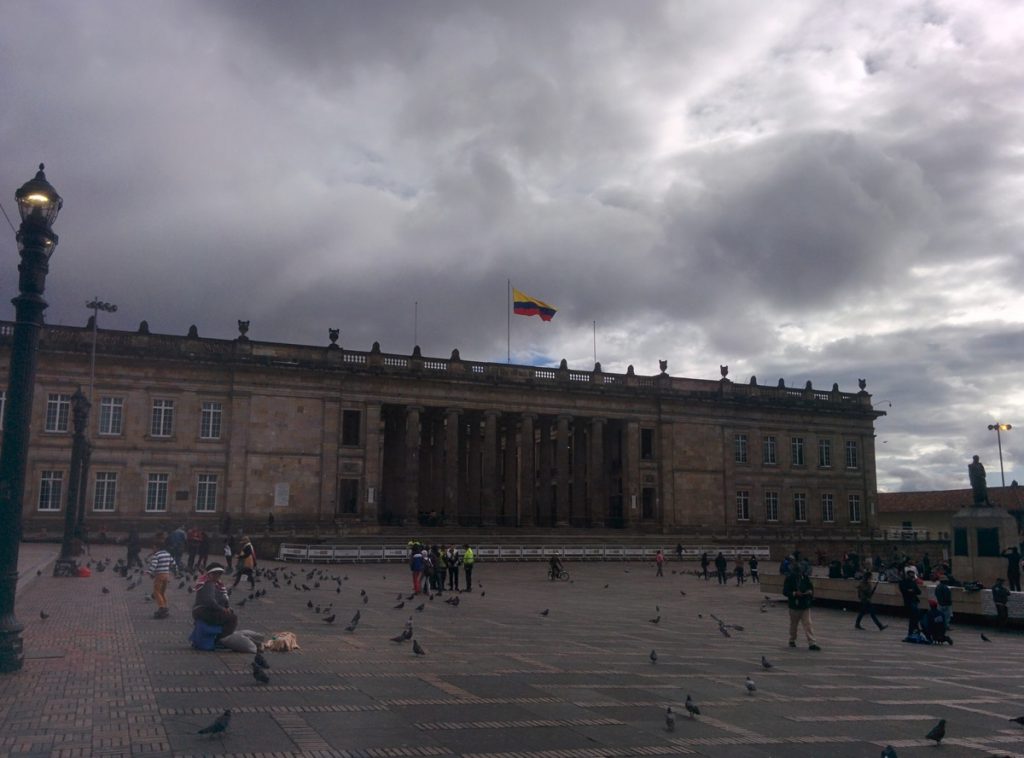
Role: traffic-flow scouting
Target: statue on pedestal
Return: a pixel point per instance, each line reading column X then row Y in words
column 976, row 472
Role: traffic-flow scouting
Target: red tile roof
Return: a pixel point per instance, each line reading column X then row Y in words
column 1011, row 498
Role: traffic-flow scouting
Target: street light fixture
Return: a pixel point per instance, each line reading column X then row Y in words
column 39, row 204
column 997, row 427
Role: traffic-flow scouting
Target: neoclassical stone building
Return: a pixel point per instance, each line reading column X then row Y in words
column 188, row 429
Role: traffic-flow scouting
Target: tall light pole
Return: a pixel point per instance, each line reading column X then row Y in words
column 97, row 305
column 38, row 204
column 999, row 440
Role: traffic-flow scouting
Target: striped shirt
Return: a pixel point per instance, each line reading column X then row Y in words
column 160, row 562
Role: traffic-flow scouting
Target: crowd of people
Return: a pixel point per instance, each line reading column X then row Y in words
column 431, row 566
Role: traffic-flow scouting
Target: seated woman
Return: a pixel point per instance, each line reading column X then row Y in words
column 933, row 624
column 211, row 604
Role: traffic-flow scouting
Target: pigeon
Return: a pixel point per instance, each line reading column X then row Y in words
column 655, row 620
column 653, row 656
column 260, row 661
column 937, row 732
column 399, row 638
column 350, row 628
column 606, row 586
column 259, row 674
column 751, row 687
column 106, row 591
column 317, row 609
column 219, row 725
column 691, row 707
column 401, row 605
column 417, row 649
column 545, row 612
column 420, row 607
column 984, row 638
column 483, row 593
column 766, row 664
column 362, row 592
column 670, row 720
column 889, row 752
column 1019, row 720
column 44, row 615
column 241, row 602
column 681, row 592
column 723, row 630
column 330, row 619
column 366, row 599
column 309, row 604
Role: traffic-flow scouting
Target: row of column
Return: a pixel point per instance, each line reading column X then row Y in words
column 491, row 468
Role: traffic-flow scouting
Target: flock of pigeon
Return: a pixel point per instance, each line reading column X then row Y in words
column 314, row 579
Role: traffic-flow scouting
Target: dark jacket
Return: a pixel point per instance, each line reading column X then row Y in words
column 798, row 583
column 910, row 591
column 942, row 594
column 211, row 594
column 1000, row 595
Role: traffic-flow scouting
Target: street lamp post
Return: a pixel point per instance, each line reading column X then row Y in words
column 997, row 427
column 38, row 204
column 66, row 565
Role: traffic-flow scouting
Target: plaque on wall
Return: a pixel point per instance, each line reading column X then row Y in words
column 281, row 492
column 181, row 495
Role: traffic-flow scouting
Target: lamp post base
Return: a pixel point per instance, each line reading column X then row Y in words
column 65, row 567
column 11, row 653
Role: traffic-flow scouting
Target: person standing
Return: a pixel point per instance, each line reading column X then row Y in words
column 911, row 593
column 192, row 540
column 468, row 559
column 203, row 554
column 721, row 564
column 944, row 597
column 246, row 564
column 679, row 551
column 227, row 552
column 659, row 560
column 704, row 562
column 160, row 566
column 133, row 546
column 176, row 544
column 738, row 571
column 866, row 591
column 799, row 592
column 1012, row 556
column 453, row 560
column 1001, row 596
column 752, row 563
column 416, row 567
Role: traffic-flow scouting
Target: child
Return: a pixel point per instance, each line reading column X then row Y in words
column 227, row 553
column 161, row 564
column 660, row 560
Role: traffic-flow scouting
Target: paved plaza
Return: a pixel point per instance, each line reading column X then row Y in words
column 498, row 678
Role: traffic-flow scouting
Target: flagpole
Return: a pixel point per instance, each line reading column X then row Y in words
column 508, row 315
column 595, row 343
column 415, row 323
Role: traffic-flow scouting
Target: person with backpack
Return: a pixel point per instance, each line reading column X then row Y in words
column 246, row 563
column 865, row 591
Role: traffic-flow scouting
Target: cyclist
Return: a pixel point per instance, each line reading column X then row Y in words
column 554, row 568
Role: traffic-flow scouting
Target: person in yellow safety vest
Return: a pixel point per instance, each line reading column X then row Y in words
column 468, row 559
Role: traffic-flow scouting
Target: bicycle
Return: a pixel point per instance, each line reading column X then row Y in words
column 562, row 575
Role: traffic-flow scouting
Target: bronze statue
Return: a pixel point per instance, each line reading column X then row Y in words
column 976, row 472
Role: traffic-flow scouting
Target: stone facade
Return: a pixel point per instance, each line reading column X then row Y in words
column 325, row 434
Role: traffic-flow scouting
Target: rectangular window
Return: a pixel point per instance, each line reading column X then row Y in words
column 854, row 501
column 105, row 494
column 50, row 486
column 206, row 493
column 828, row 510
column 852, row 458
column 740, row 448
column 209, row 422
column 646, row 444
column 348, row 496
column 3, row 406
column 797, row 447
column 771, row 506
column 742, row 505
column 163, row 418
column 111, row 415
column 825, row 453
column 156, row 493
column 799, row 507
column 768, row 455
column 350, row 427
column 58, row 409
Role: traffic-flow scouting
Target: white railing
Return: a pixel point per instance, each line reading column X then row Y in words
column 385, row 553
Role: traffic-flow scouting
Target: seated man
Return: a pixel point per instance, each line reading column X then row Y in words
column 933, row 624
column 554, row 567
column 211, row 604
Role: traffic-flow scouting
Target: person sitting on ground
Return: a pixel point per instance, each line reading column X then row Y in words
column 554, row 567
column 933, row 624
column 211, row 605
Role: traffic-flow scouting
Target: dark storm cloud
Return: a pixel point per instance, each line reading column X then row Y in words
column 807, row 190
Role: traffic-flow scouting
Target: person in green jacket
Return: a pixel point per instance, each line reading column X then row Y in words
column 468, row 559
column 800, row 592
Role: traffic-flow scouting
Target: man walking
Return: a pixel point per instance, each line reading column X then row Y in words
column 800, row 592
column 721, row 564
column 1012, row 556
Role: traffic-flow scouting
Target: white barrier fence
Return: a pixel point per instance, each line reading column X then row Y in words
column 385, row 553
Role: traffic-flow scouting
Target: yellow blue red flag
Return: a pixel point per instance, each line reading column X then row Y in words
column 524, row 305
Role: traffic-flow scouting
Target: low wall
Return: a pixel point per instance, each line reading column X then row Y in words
column 887, row 596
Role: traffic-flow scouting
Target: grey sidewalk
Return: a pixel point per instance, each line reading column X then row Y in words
column 498, row 679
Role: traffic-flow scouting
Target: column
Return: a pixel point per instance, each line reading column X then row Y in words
column 598, row 474
column 527, row 471
column 238, row 455
column 451, row 466
column 509, row 478
column 578, row 508
column 489, row 475
column 411, row 506
column 545, row 462
column 327, row 508
column 372, row 464
column 438, row 444
column 473, row 486
column 562, row 470
column 631, row 474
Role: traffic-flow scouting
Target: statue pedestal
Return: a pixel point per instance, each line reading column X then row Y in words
column 980, row 535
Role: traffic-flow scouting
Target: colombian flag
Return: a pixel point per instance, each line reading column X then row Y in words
column 524, row 305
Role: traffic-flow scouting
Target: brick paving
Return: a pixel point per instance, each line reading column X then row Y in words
column 499, row 680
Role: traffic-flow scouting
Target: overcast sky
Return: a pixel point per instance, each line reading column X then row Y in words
column 815, row 191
